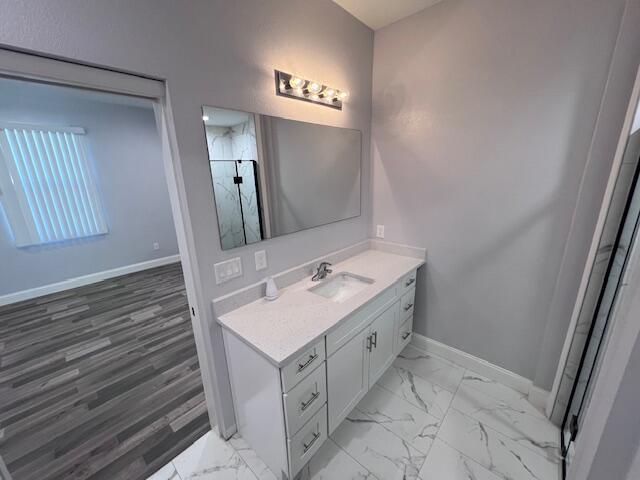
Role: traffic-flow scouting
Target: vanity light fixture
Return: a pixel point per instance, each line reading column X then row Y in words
column 293, row 86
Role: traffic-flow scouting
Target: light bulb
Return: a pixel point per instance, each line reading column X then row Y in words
column 314, row 87
column 343, row 95
column 329, row 93
column 296, row 82
column 205, row 118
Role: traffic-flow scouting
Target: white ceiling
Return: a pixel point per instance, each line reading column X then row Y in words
column 379, row 13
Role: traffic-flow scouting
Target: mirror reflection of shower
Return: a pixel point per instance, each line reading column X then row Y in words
column 231, row 143
column 273, row 176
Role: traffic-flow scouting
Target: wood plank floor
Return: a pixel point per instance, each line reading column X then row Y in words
column 100, row 382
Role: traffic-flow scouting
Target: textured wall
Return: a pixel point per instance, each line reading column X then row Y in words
column 483, row 116
column 125, row 152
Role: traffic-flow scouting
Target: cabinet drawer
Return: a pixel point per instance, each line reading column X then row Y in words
column 404, row 334
column 406, row 303
column 304, row 400
column 359, row 320
column 408, row 281
column 302, row 366
column 307, row 441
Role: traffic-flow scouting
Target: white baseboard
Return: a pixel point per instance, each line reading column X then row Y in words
column 85, row 280
column 537, row 396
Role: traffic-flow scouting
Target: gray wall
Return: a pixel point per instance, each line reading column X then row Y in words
column 483, row 116
column 223, row 53
column 126, row 153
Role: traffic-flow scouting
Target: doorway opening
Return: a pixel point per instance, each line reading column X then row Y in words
column 99, row 370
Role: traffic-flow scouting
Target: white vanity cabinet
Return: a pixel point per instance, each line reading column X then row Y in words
column 359, row 363
column 364, row 356
column 286, row 411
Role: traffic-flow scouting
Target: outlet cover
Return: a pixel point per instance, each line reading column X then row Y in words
column 227, row 270
column 156, row 246
column 380, row 231
column 261, row 260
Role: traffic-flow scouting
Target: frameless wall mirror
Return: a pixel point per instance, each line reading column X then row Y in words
column 272, row 176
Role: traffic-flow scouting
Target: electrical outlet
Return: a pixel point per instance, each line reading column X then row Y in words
column 227, row 270
column 156, row 246
column 380, row 231
column 261, row 260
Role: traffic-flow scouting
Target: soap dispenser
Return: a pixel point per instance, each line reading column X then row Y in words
column 272, row 289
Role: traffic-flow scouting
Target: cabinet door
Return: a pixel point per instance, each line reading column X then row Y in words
column 347, row 378
column 382, row 340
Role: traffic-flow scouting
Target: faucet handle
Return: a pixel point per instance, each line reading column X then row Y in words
column 323, row 266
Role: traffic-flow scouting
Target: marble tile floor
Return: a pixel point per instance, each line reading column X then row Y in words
column 426, row 419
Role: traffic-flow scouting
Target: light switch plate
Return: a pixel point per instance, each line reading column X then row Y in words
column 380, row 231
column 261, row 260
column 227, row 270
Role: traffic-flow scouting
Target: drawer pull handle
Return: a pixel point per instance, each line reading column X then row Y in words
column 369, row 343
column 302, row 366
column 307, row 404
column 307, row 446
column 409, row 282
column 405, row 335
column 408, row 306
column 374, row 341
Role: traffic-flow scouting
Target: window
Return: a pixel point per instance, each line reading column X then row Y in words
column 47, row 189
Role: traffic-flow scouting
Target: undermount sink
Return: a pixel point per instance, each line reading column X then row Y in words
column 341, row 286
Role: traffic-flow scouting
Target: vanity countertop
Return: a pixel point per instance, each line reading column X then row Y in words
column 284, row 327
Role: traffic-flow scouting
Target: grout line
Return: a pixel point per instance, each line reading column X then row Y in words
column 490, row 428
column 499, row 433
column 466, row 370
column 392, row 432
column 352, row 458
column 417, row 406
column 176, row 470
column 491, row 472
column 255, row 474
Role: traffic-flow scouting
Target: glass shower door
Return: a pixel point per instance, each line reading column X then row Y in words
column 236, row 195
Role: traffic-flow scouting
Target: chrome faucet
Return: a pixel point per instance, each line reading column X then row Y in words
column 322, row 272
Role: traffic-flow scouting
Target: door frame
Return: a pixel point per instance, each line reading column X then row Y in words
column 35, row 67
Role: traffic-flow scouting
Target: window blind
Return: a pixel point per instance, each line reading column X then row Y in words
column 47, row 189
